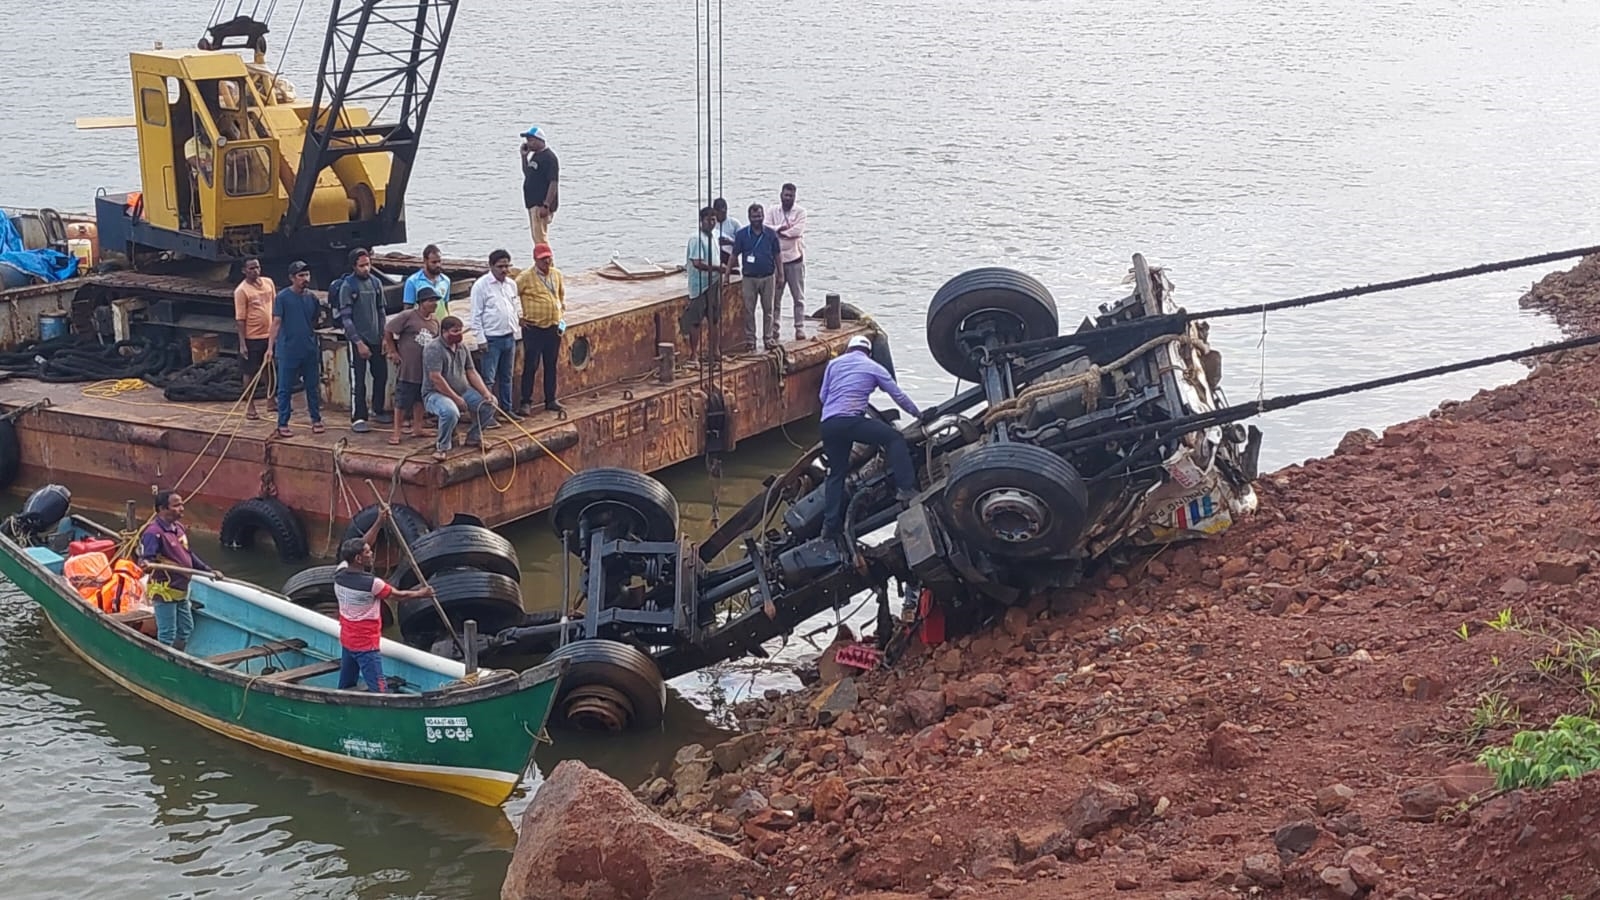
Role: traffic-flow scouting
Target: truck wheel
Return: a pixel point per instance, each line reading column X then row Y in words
column 1015, row 306
column 1017, row 501
column 626, row 501
column 610, row 686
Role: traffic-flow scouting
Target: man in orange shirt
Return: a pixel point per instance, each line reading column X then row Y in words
column 252, row 313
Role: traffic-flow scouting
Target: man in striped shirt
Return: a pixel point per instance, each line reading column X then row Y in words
column 361, row 595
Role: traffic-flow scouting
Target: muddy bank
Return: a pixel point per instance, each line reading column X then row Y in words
column 1291, row 710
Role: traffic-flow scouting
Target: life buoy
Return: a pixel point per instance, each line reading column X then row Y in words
column 241, row 522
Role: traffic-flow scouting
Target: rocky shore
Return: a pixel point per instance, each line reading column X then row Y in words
column 1292, row 710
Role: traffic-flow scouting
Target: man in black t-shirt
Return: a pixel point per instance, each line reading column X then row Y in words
column 540, row 169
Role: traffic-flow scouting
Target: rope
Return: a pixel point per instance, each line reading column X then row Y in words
column 1254, row 408
column 1024, row 348
column 541, row 444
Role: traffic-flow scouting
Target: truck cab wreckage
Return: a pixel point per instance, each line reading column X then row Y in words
column 1021, row 486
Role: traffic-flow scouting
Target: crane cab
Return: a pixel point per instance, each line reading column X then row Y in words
column 220, row 146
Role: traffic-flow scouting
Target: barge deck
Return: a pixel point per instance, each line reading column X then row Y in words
column 623, row 409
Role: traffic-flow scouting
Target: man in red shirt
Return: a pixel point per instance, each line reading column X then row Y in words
column 361, row 595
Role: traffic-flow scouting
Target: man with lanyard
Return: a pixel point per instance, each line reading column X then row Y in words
column 790, row 221
column 252, row 314
column 543, row 293
column 293, row 343
column 540, row 183
column 847, row 383
column 430, row 275
column 361, row 313
column 757, row 250
column 496, row 311
column 704, row 268
column 166, row 541
column 361, row 595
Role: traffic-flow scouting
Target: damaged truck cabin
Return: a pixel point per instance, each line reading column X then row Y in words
column 1022, row 483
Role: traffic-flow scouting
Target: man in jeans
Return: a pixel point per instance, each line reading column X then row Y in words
column 847, row 383
column 293, row 343
column 359, row 300
column 495, row 319
column 451, row 388
column 544, row 308
column 361, row 595
column 166, row 541
column 756, row 249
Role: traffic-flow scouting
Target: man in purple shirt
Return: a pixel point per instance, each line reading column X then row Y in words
column 165, row 540
column 847, row 383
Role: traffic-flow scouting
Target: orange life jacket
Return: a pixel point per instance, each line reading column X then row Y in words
column 124, row 591
column 87, row 573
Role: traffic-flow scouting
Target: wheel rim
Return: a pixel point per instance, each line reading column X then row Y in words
column 598, row 707
column 1013, row 515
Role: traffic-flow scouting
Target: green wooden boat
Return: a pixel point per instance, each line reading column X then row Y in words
column 264, row 671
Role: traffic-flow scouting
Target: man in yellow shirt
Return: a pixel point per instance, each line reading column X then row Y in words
column 544, row 307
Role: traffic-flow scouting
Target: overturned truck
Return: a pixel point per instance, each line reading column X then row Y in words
column 1067, row 449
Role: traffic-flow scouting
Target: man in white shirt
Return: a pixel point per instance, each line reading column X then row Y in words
column 789, row 219
column 727, row 227
column 495, row 319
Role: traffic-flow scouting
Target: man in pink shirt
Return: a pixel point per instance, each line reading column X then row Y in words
column 789, row 219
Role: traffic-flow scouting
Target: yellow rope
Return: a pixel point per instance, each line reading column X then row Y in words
column 529, row 435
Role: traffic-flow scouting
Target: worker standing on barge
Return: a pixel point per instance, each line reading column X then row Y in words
column 544, row 307
column 496, row 319
column 252, row 314
column 540, row 183
column 704, row 268
column 166, row 541
column 293, row 343
column 847, row 383
column 361, row 313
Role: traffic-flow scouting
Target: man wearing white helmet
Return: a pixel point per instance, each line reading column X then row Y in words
column 847, row 384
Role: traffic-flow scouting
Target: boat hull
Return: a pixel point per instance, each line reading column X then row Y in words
column 474, row 741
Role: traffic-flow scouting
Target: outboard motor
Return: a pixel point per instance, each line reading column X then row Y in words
column 43, row 509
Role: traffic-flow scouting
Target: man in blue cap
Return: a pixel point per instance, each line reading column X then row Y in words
column 540, row 169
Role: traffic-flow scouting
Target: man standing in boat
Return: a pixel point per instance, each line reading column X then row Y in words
column 293, row 343
column 252, row 314
column 361, row 595
column 756, row 247
column 847, row 383
column 540, row 183
column 166, row 541
column 790, row 221
column 544, row 307
column 704, row 268
column 361, row 314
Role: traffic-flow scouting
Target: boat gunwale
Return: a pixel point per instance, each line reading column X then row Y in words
column 454, row 695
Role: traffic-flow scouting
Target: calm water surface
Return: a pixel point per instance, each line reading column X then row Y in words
column 1257, row 153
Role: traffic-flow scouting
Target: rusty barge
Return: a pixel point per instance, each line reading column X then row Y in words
column 632, row 398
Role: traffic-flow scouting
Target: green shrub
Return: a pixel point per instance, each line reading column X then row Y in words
column 1567, row 749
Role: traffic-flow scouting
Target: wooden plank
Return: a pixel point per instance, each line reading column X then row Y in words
column 259, row 650
column 301, row 673
column 92, row 122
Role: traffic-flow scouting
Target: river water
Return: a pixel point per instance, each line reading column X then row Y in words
column 1256, row 152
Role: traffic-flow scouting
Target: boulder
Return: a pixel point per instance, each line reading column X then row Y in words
column 731, row 755
column 584, row 837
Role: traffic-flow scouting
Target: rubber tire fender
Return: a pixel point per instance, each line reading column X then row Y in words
column 622, row 667
column 413, row 525
column 313, row 589
column 643, row 506
column 991, row 288
column 10, row 453
column 490, row 598
column 1056, row 484
column 241, row 522
column 459, row 547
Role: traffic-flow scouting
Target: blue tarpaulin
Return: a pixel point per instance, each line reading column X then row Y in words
column 45, row 264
